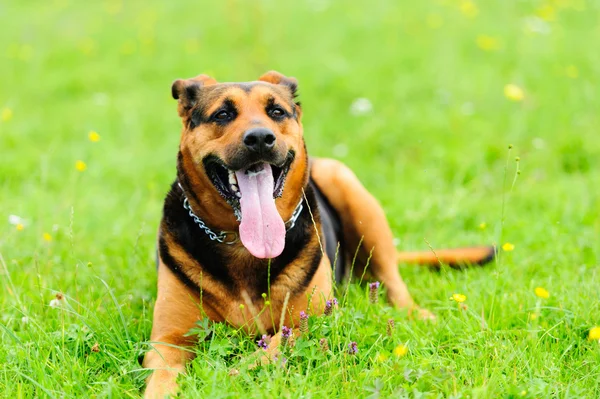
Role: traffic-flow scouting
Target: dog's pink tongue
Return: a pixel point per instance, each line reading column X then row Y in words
column 262, row 230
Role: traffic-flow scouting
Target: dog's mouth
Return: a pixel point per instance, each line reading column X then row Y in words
column 251, row 192
column 225, row 181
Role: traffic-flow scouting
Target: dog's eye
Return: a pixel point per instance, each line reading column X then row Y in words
column 276, row 113
column 223, row 116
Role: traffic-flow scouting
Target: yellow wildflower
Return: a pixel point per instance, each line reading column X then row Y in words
column 513, row 92
column 482, row 225
column 381, row 357
column 487, row 43
column 6, row 114
column 94, row 136
column 572, row 72
column 400, row 350
column 458, row 298
column 533, row 316
column 546, row 12
column 507, row 247
column 594, row 334
column 20, row 226
column 469, row 9
column 47, row 237
column 80, row 166
column 541, row 292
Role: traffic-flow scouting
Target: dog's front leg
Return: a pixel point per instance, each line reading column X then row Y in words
column 176, row 311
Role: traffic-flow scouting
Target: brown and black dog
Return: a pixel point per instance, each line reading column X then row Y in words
column 251, row 213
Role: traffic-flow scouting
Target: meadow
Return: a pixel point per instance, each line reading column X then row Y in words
column 473, row 122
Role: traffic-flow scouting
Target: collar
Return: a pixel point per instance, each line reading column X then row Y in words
column 231, row 237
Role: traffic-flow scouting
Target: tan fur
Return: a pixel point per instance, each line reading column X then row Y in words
column 178, row 307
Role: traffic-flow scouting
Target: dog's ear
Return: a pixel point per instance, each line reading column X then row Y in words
column 186, row 91
column 276, row 78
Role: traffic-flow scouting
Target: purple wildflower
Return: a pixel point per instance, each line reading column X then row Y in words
column 303, row 322
column 352, row 348
column 329, row 304
column 286, row 334
column 374, row 292
column 324, row 344
column 263, row 342
column 282, row 361
column 390, row 327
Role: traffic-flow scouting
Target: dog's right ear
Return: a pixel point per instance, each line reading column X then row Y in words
column 186, row 91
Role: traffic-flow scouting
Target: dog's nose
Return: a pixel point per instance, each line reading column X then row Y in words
column 259, row 139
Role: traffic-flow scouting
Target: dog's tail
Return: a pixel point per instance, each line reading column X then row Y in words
column 457, row 257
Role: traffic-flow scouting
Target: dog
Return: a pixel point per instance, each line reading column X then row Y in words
column 250, row 216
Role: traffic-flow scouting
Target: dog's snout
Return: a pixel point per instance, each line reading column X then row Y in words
column 259, row 139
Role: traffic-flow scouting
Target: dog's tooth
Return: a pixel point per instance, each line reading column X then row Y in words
column 238, row 194
column 235, row 188
column 232, row 178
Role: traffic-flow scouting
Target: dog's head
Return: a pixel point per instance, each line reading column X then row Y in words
column 243, row 155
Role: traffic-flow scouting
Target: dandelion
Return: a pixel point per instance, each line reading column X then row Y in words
column 541, row 292
column 400, row 350
column 572, row 72
column 546, row 12
column 14, row 219
column 264, row 341
column 381, row 357
column 303, row 322
column 94, row 136
column 324, row 344
column 352, row 348
column 513, row 92
column 390, row 327
column 47, row 237
column 374, row 292
column 487, row 43
column 286, row 334
column 468, row 9
column 6, row 114
column 508, row 247
column 482, row 225
column 20, row 226
column 533, row 316
column 594, row 334
column 80, row 166
column 458, row 298
column 536, row 25
column 361, row 106
column 242, row 306
column 329, row 304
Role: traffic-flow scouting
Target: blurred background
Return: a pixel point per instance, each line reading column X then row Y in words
column 421, row 99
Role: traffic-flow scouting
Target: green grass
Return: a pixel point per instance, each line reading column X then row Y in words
column 434, row 150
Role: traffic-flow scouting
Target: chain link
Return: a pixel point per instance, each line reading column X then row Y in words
column 219, row 237
column 222, row 235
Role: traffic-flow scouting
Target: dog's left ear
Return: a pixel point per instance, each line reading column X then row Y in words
column 186, row 91
column 276, row 78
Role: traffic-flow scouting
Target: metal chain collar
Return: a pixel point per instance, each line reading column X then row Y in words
column 222, row 235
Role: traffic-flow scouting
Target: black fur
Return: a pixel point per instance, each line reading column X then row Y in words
column 213, row 256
